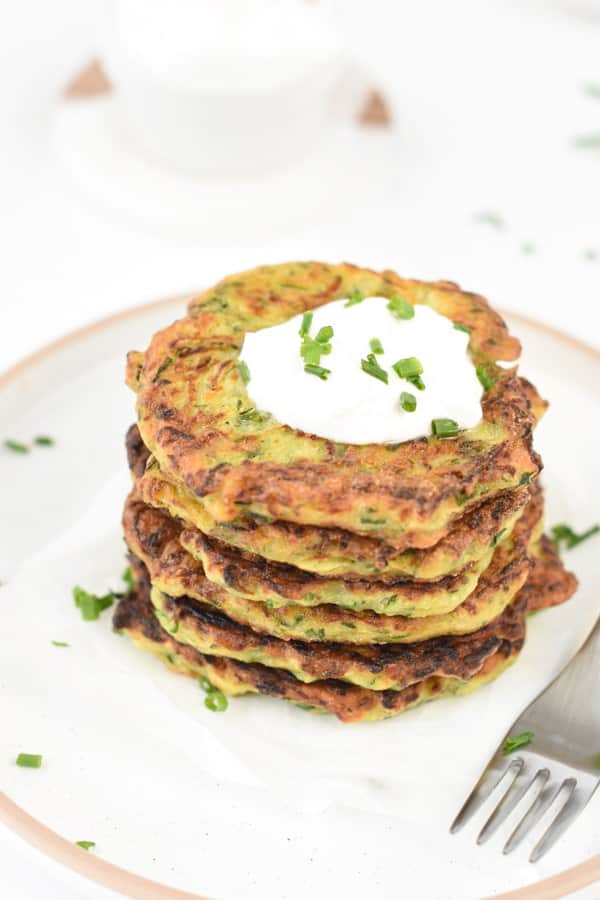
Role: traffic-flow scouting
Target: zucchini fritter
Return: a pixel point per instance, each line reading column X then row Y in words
column 196, row 417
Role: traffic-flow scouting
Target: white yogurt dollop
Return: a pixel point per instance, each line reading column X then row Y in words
column 354, row 407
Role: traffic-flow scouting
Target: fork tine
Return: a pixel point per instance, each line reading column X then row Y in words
column 482, row 791
column 507, row 804
column 533, row 813
column 561, row 821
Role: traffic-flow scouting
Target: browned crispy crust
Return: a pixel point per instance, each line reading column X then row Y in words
column 154, row 536
column 549, row 583
column 251, row 538
column 399, row 664
column 405, row 492
column 347, row 701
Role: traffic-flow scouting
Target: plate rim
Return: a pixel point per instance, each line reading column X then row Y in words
column 138, row 887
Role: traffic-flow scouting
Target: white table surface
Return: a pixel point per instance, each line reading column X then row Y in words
column 487, row 99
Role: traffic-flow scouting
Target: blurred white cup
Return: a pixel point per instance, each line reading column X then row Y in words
column 223, row 87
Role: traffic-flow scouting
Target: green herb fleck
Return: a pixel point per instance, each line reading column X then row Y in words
column 355, row 297
column 59, row 644
column 401, row 308
column 253, row 415
column 127, row 578
column 372, row 367
column 324, row 334
column 490, row 218
column 376, row 345
column 444, row 427
column 311, row 351
column 525, row 478
column 497, row 536
column 91, row 605
column 29, row 760
column 516, row 743
column 244, row 371
column 216, row 701
column 564, row 536
column 16, row 446
column 307, row 318
column 44, row 440
column 408, row 368
column 319, row 371
column 592, row 90
column 85, row 845
column 460, row 327
column 589, row 141
column 408, row 402
column 485, row 379
column 162, row 368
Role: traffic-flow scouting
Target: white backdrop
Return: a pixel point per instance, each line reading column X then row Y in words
column 488, row 99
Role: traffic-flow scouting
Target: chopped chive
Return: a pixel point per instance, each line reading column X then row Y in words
column 490, row 218
column 516, row 743
column 85, row 845
column 564, row 535
column 408, row 402
column 310, row 351
column 528, row 248
column 90, row 604
column 307, row 318
column 485, row 379
column 376, row 345
column 29, row 760
column 216, row 701
column 444, row 427
column 401, row 308
column 204, row 683
column 372, row 367
column 127, row 578
column 408, row 368
column 588, row 141
column 44, row 440
column 319, row 371
column 59, row 644
column 460, row 327
column 244, row 371
column 16, row 446
column 354, row 298
column 417, row 382
column 592, row 90
column 324, row 334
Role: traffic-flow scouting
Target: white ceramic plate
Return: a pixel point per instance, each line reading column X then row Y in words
column 263, row 800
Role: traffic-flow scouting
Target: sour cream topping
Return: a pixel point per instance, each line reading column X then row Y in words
column 352, row 406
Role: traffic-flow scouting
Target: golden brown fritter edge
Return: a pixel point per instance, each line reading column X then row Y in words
column 268, row 469
column 135, row 616
column 332, row 552
column 153, row 536
column 374, row 666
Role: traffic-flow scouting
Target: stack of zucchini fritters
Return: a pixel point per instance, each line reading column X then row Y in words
column 354, row 579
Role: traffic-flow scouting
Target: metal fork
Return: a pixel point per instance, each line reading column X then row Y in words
column 559, row 768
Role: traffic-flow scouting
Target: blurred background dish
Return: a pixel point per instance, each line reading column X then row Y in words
column 223, row 89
